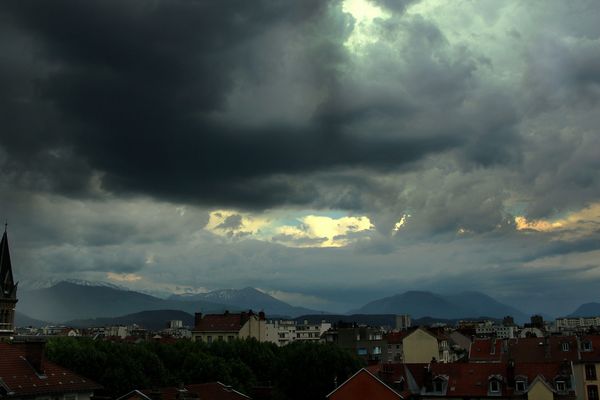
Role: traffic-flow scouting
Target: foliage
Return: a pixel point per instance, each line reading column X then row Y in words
column 299, row 370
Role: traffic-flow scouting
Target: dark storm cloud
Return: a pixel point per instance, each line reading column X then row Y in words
column 130, row 90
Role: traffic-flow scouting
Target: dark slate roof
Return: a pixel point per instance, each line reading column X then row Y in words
column 200, row 391
column 19, row 379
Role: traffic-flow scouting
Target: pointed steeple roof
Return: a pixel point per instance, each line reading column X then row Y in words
column 7, row 283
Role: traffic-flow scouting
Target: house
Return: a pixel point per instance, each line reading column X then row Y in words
column 201, row 391
column 394, row 346
column 422, row 345
column 363, row 385
column 26, row 374
column 365, row 341
column 229, row 326
column 587, row 369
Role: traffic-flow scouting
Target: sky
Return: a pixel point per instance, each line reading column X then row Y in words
column 326, row 152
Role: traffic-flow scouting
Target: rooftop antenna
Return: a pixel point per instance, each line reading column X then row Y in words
column 5, row 225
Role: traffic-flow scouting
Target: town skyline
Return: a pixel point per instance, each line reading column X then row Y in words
column 328, row 153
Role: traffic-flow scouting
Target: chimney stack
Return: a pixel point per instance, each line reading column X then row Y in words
column 197, row 319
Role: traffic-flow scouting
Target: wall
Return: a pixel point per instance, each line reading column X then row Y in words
column 539, row 391
column 420, row 347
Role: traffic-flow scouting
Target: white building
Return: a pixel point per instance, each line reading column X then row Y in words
column 577, row 323
column 488, row 328
column 283, row 332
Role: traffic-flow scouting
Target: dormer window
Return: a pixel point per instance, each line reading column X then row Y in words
column 494, row 386
column 565, row 346
column 521, row 386
column 438, row 385
column 561, row 386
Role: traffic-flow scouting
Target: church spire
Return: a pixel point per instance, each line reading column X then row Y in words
column 7, row 282
column 8, row 291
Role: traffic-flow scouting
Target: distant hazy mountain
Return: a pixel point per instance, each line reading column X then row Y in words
column 152, row 320
column 247, row 298
column 23, row 321
column 587, row 310
column 483, row 305
column 67, row 301
column 421, row 304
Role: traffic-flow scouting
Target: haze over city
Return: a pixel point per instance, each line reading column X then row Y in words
column 328, row 153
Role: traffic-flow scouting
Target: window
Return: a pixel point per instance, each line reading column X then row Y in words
column 494, row 386
column 230, row 338
column 565, row 346
column 209, row 339
column 587, row 346
column 70, row 396
column 362, row 351
column 592, row 392
column 438, row 385
column 590, row 372
column 521, row 386
column 377, row 350
column 220, row 337
column 560, row 386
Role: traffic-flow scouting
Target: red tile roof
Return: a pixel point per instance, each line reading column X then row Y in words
column 486, row 350
column 549, row 349
column 220, row 323
column 364, row 385
column 19, row 377
column 395, row 337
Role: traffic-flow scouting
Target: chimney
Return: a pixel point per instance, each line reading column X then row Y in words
column 197, row 319
column 33, row 351
column 428, row 379
column 510, row 373
column 261, row 316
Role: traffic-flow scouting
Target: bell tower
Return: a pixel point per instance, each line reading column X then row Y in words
column 8, row 291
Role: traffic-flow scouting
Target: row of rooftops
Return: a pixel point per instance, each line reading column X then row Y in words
column 458, row 380
column 549, row 348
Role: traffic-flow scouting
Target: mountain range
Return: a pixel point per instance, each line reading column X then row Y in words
column 586, row 310
column 67, row 301
column 257, row 299
column 419, row 304
column 74, row 301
